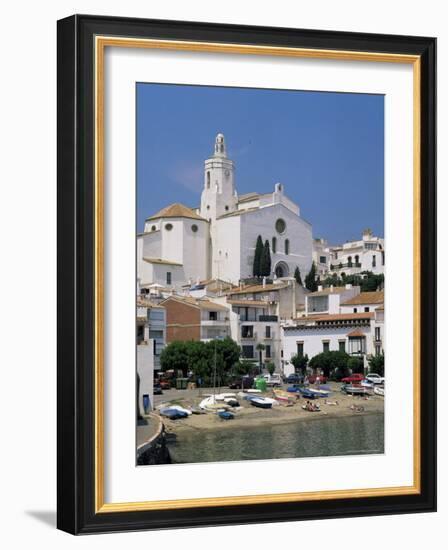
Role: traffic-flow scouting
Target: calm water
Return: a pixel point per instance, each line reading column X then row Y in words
column 321, row 437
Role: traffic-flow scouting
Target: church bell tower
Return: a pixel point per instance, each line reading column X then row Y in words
column 219, row 195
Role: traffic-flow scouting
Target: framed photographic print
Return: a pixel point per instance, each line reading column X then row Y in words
column 246, row 274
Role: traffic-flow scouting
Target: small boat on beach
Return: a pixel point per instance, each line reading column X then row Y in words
column 197, row 410
column 261, row 402
column 226, row 415
column 172, row 413
column 231, row 401
column 319, row 392
column 307, row 393
column 181, row 409
column 211, row 404
column 379, row 391
column 355, row 390
column 285, row 397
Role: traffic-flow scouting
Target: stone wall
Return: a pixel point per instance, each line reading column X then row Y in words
column 155, row 450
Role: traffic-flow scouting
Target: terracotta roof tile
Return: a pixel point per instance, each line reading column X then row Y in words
column 366, row 298
column 176, row 210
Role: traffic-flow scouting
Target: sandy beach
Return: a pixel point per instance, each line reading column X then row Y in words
column 247, row 415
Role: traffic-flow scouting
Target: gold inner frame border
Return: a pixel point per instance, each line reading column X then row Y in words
column 101, row 42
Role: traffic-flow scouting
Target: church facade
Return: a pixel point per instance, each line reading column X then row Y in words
column 217, row 240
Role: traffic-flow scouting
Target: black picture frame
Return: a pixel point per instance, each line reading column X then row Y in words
column 76, row 253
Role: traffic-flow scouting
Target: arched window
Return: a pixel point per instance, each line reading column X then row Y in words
column 349, row 261
column 356, row 259
column 287, row 246
column 274, row 245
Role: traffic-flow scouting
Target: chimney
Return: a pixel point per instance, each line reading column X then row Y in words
column 319, row 288
column 264, row 282
column 331, row 288
column 348, row 286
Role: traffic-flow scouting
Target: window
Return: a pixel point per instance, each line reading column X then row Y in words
column 213, row 315
column 326, row 345
column 247, row 331
column 227, row 208
column 355, row 310
column 370, row 246
column 378, row 334
column 268, row 351
column 366, row 309
column 156, row 315
column 342, row 345
column 382, row 257
column 268, row 332
column 168, row 277
column 323, row 260
column 194, row 228
column 373, row 261
column 208, row 207
column 247, row 352
column 300, row 349
column 280, row 226
column 153, row 228
column 349, row 261
column 274, row 245
column 168, row 226
column 356, row 259
column 357, row 346
column 377, row 349
column 287, row 246
column 140, row 334
column 208, row 180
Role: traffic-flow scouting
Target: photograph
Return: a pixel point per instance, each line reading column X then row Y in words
column 260, row 274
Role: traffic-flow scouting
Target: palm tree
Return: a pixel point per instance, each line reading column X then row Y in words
column 260, row 347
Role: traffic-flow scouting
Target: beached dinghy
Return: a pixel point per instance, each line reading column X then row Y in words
column 231, row 401
column 355, row 390
column 319, row 392
column 211, row 404
column 173, row 414
column 181, row 409
column 378, row 391
column 226, row 415
column 262, row 402
column 307, row 393
column 284, row 396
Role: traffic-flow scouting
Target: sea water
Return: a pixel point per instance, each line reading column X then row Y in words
column 353, row 435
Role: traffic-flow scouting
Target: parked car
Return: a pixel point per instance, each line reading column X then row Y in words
column 157, row 389
column 317, row 378
column 375, row 378
column 164, row 384
column 353, row 378
column 294, row 379
column 241, row 382
column 273, row 379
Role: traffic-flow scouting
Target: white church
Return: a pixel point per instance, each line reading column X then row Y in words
column 217, row 240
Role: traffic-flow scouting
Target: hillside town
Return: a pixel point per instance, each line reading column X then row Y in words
column 247, row 269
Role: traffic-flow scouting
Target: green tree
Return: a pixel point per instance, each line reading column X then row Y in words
column 310, row 279
column 356, row 365
column 257, row 258
column 329, row 361
column 175, row 357
column 376, row 364
column 297, row 276
column 300, row 363
column 270, row 368
column 265, row 264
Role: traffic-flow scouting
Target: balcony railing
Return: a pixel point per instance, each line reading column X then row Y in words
column 248, row 336
column 268, row 318
column 346, row 265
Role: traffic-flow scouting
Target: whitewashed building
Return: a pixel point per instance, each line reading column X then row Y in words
column 217, row 240
column 366, row 254
column 353, row 324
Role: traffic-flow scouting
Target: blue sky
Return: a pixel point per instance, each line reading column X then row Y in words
column 326, row 148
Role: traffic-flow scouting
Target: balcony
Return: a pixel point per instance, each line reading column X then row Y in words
column 249, row 336
column 270, row 337
column 268, row 318
column 215, row 323
column 348, row 265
